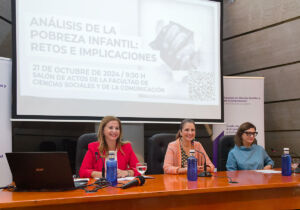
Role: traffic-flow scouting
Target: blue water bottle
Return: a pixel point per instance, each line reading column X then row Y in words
column 192, row 167
column 111, row 168
column 286, row 163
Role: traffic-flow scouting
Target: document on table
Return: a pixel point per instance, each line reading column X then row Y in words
column 268, row 171
column 129, row 178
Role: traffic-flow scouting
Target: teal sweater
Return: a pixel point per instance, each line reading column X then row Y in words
column 251, row 158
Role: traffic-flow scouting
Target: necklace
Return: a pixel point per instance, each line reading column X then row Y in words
column 185, row 148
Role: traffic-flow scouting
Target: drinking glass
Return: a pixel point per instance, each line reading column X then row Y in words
column 295, row 163
column 141, row 168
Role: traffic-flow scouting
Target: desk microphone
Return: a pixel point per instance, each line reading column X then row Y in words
column 138, row 181
column 205, row 173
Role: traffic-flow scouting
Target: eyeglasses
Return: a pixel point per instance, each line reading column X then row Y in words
column 251, row 133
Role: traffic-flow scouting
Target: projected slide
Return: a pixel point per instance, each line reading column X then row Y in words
column 142, row 58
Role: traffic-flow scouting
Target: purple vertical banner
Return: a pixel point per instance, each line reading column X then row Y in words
column 215, row 149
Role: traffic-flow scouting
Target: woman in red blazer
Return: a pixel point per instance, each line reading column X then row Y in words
column 109, row 138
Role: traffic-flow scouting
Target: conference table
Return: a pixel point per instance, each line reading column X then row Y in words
column 254, row 190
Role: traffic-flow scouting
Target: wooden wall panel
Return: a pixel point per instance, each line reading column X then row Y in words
column 248, row 15
column 282, row 116
column 5, row 41
column 278, row 140
column 270, row 47
column 281, row 83
column 5, row 9
column 261, row 38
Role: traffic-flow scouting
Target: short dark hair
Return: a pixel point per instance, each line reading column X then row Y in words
column 238, row 136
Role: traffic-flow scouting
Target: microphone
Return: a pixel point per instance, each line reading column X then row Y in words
column 103, row 166
column 138, row 181
column 205, row 173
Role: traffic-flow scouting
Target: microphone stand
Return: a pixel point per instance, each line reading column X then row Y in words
column 102, row 182
column 103, row 168
column 205, row 173
column 103, row 165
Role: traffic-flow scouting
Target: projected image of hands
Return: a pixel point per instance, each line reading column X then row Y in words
column 177, row 47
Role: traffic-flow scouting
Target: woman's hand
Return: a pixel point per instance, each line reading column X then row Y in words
column 122, row 173
column 96, row 174
column 200, row 168
column 182, row 170
column 267, row 167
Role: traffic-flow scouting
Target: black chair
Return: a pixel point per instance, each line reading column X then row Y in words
column 207, row 144
column 156, row 149
column 226, row 143
column 82, row 147
column 47, row 146
column 69, row 145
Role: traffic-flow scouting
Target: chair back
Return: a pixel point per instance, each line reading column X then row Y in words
column 156, row 149
column 207, row 145
column 82, row 147
column 226, row 143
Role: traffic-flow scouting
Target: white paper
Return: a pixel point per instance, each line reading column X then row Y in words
column 268, row 171
column 129, row 178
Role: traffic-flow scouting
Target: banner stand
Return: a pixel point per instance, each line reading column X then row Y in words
column 243, row 102
column 5, row 123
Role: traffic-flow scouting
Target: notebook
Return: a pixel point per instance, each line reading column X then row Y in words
column 41, row 171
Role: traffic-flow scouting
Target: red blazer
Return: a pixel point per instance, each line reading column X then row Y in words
column 93, row 162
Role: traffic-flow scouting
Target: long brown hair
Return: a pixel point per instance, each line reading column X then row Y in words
column 103, row 147
column 238, row 136
column 182, row 125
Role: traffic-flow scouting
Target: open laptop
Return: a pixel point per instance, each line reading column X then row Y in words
column 41, row 171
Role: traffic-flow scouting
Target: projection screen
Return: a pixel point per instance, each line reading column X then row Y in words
column 140, row 60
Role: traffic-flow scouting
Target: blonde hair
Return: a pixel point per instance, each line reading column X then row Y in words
column 103, row 147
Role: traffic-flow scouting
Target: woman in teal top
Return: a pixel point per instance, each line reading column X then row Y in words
column 247, row 155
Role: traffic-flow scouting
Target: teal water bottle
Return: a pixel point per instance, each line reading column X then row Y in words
column 111, row 168
column 286, row 163
column 192, row 167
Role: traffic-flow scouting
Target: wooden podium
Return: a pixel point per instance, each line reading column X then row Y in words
column 254, row 190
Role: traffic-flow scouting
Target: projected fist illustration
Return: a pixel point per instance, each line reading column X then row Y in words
column 177, row 47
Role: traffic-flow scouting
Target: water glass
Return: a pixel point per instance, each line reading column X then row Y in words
column 295, row 163
column 141, row 168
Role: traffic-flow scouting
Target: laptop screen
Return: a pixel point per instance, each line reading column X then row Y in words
column 41, row 170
